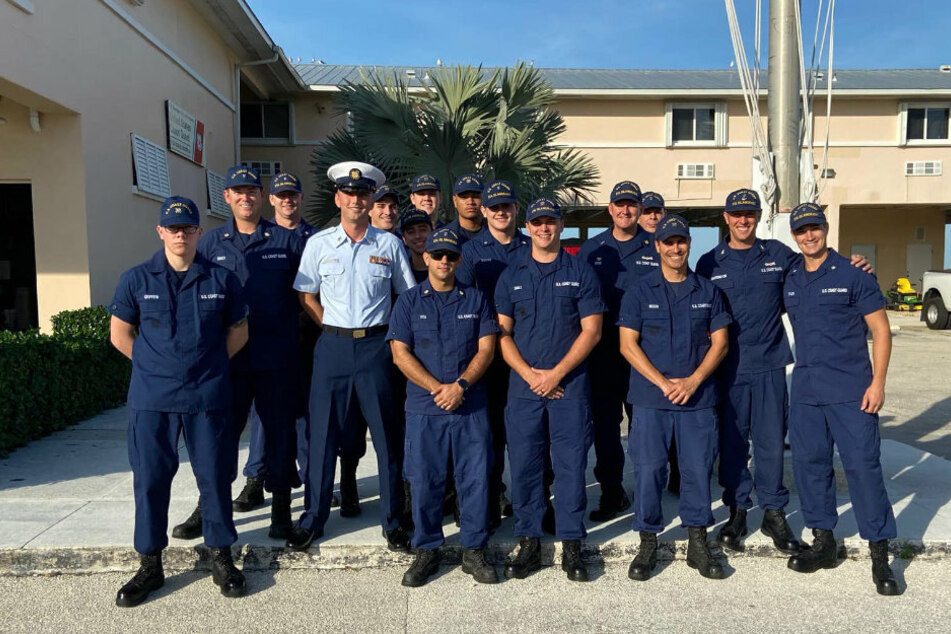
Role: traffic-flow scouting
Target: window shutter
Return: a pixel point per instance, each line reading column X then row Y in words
column 150, row 164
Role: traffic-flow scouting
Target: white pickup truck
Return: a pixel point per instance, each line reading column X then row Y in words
column 936, row 298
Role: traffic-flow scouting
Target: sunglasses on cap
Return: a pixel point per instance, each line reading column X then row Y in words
column 439, row 255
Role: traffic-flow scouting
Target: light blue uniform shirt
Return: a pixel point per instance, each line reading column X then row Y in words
column 355, row 280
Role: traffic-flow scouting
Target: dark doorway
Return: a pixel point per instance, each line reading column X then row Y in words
column 17, row 259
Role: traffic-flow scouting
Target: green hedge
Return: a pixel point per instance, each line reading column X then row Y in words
column 50, row 382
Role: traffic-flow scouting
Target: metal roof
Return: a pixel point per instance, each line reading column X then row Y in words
column 569, row 80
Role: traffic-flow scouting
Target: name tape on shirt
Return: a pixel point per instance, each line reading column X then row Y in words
column 567, row 283
column 826, row 291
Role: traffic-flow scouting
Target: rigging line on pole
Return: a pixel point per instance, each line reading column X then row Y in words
column 829, row 77
column 807, row 184
column 752, row 105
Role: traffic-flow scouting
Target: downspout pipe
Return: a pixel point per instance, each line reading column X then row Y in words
column 237, row 97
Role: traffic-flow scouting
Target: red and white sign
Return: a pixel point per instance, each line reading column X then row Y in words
column 186, row 134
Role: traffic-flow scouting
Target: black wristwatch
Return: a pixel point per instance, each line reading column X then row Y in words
column 463, row 384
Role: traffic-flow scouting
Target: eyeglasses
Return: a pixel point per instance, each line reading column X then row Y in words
column 439, row 255
column 186, row 229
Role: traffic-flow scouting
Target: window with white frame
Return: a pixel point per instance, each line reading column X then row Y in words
column 265, row 168
column 150, row 168
column 696, row 124
column 925, row 123
column 265, row 121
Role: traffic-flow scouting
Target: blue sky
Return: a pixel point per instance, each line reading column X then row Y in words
column 571, row 34
column 606, row 34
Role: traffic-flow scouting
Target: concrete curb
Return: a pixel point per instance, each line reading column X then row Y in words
column 57, row 561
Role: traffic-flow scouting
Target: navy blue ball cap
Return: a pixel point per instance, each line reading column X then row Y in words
column 385, row 190
column 541, row 208
column 806, row 214
column 497, row 193
column 355, row 176
column 742, row 200
column 423, row 182
column 412, row 216
column 240, row 175
column 178, row 210
column 652, row 200
column 285, row 182
column 468, row 183
column 444, row 239
column 672, row 225
column 626, row 190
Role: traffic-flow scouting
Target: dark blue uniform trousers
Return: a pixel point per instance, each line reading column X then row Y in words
column 529, row 427
column 609, row 374
column 254, row 467
column 429, row 441
column 753, row 407
column 497, row 385
column 695, row 432
column 153, row 456
column 354, row 373
column 813, row 429
column 273, row 393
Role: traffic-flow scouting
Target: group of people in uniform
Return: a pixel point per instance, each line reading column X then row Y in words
column 455, row 343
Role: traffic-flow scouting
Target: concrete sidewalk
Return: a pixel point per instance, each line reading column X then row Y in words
column 66, row 505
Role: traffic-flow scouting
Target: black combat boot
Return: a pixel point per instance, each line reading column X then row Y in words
column 613, row 500
column 397, row 540
column 528, row 560
column 881, row 574
column 823, row 553
column 474, row 563
column 301, row 538
column 646, row 559
column 225, row 575
column 731, row 534
column 777, row 528
column 190, row 528
column 281, row 523
column 571, row 560
column 251, row 496
column 699, row 556
column 349, row 499
column 150, row 576
column 423, row 567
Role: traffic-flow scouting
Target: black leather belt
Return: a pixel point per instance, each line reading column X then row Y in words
column 356, row 333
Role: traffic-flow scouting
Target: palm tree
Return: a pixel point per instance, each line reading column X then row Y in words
column 499, row 123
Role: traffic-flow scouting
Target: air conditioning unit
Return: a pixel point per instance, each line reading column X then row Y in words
column 694, row 170
column 923, row 168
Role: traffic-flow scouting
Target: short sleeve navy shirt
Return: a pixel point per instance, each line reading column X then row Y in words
column 547, row 310
column 179, row 358
column 443, row 333
column 827, row 309
column 674, row 334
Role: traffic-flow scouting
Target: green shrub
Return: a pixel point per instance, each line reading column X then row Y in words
column 50, row 382
column 85, row 323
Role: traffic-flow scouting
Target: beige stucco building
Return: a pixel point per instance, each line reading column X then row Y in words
column 106, row 106
column 84, row 163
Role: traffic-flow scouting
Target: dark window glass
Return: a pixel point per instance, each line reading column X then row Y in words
column 705, row 127
column 682, row 124
column 251, row 125
column 937, row 123
column 276, row 121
